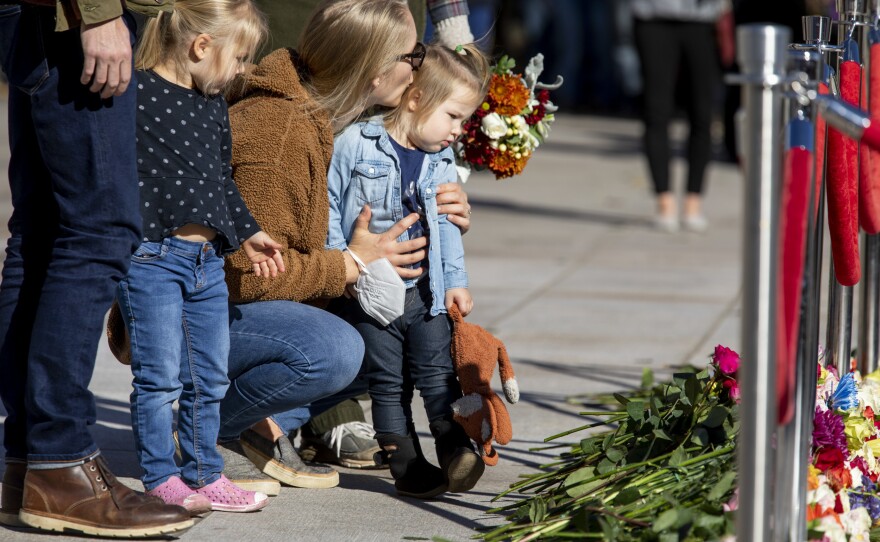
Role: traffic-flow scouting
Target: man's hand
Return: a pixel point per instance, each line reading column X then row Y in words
column 107, row 51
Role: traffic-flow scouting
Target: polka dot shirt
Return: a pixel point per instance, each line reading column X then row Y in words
column 184, row 148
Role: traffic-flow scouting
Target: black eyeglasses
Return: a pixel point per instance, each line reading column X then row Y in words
column 416, row 57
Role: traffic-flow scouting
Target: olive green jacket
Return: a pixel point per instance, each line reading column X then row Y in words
column 72, row 13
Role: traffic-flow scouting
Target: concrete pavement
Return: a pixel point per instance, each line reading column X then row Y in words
column 566, row 269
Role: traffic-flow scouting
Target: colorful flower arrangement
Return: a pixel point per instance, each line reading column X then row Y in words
column 513, row 120
column 666, row 468
column 843, row 501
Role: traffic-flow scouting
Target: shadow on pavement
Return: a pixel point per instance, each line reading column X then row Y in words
column 610, row 219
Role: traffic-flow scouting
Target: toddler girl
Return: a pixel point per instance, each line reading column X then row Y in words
column 394, row 165
column 174, row 298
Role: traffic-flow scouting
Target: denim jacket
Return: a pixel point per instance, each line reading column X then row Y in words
column 365, row 170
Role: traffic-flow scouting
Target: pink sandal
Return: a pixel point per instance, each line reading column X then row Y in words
column 174, row 491
column 228, row 497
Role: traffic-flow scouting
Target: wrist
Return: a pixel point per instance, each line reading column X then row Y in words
column 351, row 268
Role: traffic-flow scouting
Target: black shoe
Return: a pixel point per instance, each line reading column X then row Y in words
column 461, row 465
column 413, row 475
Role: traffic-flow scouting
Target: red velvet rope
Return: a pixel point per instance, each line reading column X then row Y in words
column 843, row 187
column 869, row 162
column 795, row 202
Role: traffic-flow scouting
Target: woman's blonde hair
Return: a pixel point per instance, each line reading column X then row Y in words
column 229, row 22
column 347, row 44
column 443, row 71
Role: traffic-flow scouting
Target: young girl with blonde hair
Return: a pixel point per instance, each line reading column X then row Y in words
column 394, row 165
column 174, row 299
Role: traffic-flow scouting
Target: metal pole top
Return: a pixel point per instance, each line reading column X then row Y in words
column 852, row 9
column 817, row 29
column 761, row 49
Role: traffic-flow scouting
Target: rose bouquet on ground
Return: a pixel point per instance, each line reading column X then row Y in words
column 666, row 468
column 513, row 120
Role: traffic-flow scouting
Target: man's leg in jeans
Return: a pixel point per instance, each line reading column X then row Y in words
column 75, row 222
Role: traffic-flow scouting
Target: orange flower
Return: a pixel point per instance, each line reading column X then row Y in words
column 510, row 93
column 505, row 164
column 839, row 478
column 814, row 511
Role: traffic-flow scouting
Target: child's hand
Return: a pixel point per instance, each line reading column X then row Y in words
column 265, row 254
column 462, row 298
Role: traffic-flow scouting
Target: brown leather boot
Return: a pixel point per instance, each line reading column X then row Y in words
column 88, row 499
column 10, row 497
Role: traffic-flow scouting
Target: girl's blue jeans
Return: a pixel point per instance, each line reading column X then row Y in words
column 412, row 352
column 175, row 305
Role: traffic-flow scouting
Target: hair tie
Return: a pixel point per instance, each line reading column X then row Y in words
column 460, row 50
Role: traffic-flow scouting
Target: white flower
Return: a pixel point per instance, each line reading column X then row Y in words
column 832, row 530
column 493, row 126
column 464, row 171
column 543, row 129
column 823, row 496
column 531, row 142
column 856, row 521
column 520, row 125
column 856, row 475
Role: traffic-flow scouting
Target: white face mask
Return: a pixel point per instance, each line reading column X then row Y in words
column 380, row 290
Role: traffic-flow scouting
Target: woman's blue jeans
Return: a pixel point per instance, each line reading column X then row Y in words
column 174, row 302
column 284, row 356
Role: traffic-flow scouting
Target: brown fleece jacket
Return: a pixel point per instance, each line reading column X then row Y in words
column 281, row 149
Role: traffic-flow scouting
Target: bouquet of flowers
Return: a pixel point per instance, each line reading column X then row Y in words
column 513, row 120
column 843, row 501
column 664, row 469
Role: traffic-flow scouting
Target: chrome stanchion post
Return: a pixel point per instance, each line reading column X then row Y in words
column 762, row 56
column 790, row 512
column 869, row 309
column 817, row 33
column 840, row 298
column 793, row 450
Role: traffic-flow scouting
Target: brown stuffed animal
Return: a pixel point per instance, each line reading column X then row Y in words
column 480, row 411
column 117, row 336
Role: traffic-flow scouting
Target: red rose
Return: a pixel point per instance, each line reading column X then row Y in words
column 726, row 360
column 828, row 459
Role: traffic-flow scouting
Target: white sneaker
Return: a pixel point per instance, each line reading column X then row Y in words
column 695, row 223
column 666, row 223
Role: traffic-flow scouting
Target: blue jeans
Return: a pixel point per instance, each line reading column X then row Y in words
column 174, row 302
column 413, row 351
column 284, row 356
column 74, row 225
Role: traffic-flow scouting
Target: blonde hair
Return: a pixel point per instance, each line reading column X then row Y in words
column 229, row 22
column 443, row 71
column 347, row 44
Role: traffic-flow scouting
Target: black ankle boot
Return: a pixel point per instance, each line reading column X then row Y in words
column 461, row 465
column 413, row 475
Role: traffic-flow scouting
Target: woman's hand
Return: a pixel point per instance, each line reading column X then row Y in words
column 452, row 200
column 265, row 254
column 372, row 246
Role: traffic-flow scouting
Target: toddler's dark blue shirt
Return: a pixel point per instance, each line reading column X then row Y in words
column 184, row 149
column 411, row 161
